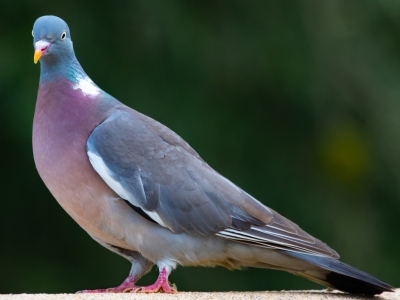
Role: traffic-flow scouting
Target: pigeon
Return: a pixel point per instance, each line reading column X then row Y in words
column 138, row 189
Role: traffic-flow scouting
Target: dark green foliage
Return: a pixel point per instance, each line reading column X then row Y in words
column 296, row 102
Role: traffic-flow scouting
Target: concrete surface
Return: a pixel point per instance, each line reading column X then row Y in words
column 283, row 295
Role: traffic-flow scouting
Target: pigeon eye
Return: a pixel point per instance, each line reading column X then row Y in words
column 33, row 34
column 63, row 35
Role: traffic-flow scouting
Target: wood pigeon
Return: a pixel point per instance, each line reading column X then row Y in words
column 141, row 191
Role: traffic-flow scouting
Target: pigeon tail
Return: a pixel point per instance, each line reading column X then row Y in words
column 341, row 276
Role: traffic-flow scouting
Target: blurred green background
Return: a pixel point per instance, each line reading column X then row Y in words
column 297, row 102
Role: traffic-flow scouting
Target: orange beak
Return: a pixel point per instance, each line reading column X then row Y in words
column 37, row 56
column 41, row 48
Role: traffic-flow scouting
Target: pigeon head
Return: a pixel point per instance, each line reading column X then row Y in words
column 51, row 40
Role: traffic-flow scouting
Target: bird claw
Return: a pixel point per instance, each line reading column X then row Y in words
column 121, row 289
column 126, row 287
column 157, row 287
column 110, row 290
column 92, row 291
column 127, row 290
column 161, row 285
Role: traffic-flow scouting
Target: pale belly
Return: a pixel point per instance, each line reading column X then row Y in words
column 65, row 169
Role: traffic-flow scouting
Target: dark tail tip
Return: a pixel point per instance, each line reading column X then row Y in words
column 353, row 285
column 344, row 277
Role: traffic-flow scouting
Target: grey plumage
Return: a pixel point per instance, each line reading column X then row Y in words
column 163, row 175
column 342, row 277
column 141, row 191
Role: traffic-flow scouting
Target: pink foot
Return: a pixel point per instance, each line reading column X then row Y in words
column 161, row 285
column 127, row 286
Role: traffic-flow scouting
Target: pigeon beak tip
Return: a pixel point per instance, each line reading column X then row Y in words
column 41, row 48
column 37, row 56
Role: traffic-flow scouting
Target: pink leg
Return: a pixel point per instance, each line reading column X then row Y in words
column 127, row 286
column 161, row 285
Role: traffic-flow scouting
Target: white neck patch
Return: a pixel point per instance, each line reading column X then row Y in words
column 87, row 86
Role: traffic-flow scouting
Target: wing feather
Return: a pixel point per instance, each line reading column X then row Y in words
column 155, row 170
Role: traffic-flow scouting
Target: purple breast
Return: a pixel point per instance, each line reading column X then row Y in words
column 64, row 119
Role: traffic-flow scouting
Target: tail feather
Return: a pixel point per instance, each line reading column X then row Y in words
column 341, row 276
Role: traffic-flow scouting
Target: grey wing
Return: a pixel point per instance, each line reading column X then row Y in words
column 155, row 170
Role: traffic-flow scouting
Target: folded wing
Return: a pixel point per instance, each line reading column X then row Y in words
column 157, row 172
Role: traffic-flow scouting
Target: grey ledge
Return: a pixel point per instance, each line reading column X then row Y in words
column 268, row 295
